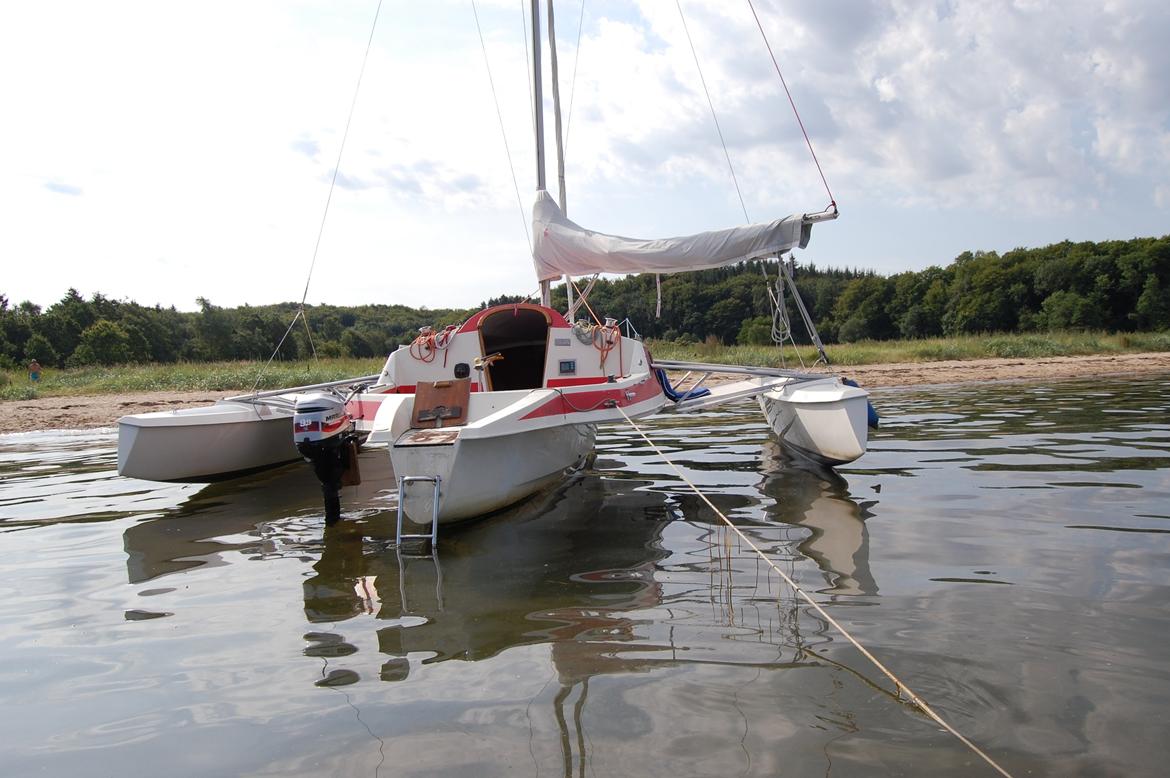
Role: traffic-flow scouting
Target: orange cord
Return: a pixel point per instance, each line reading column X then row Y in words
column 610, row 337
column 428, row 344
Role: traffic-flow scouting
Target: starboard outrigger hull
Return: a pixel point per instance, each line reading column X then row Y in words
column 825, row 421
column 820, row 417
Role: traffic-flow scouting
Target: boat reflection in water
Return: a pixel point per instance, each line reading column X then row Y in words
column 619, row 577
column 564, row 566
column 817, row 499
column 226, row 515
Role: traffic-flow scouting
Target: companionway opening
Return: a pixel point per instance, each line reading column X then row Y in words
column 520, row 336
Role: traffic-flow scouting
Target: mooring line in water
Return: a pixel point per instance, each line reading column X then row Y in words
column 900, row 687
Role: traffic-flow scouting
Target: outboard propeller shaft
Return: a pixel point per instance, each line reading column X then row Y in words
column 324, row 435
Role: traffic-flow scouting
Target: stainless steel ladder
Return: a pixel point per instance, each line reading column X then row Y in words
column 433, row 536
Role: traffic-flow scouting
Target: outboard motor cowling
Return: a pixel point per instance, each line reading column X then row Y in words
column 324, row 435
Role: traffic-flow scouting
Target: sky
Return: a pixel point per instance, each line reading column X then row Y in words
column 161, row 152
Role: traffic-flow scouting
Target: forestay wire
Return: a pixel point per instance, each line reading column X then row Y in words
column 500, row 117
column 775, row 64
column 714, row 116
column 300, row 314
column 899, row 687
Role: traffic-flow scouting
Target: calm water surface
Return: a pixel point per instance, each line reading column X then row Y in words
column 1002, row 547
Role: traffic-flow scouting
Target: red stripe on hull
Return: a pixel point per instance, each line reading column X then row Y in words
column 553, row 383
column 364, row 407
column 564, row 404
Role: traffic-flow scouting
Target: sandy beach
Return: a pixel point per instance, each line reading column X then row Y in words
column 104, row 410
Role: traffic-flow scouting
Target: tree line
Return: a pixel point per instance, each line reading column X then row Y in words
column 1120, row 286
column 1112, row 285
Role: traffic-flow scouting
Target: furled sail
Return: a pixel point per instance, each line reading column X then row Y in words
column 565, row 248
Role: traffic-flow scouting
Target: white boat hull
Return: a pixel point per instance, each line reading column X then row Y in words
column 823, row 420
column 205, row 444
column 479, row 475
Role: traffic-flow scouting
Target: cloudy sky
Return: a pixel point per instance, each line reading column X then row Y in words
column 161, row 151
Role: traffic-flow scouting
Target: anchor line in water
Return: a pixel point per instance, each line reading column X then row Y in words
column 901, row 688
column 356, row 710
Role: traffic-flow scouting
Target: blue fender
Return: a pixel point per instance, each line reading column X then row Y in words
column 871, row 413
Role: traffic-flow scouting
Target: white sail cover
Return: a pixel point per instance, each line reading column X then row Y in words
column 565, row 248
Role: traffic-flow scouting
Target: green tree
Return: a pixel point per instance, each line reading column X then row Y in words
column 1065, row 310
column 1152, row 311
column 39, row 348
column 213, row 332
column 862, row 309
column 102, row 343
column 756, row 331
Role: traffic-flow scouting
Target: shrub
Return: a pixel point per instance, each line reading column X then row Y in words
column 1025, row 347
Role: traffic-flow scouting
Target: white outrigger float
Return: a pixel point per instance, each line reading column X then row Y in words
column 481, row 414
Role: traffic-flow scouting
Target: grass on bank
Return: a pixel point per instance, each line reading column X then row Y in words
column 180, row 377
column 872, row 352
column 240, row 376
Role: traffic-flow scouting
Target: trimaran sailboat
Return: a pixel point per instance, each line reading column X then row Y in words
column 479, row 415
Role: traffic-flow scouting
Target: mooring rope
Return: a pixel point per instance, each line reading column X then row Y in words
column 899, row 686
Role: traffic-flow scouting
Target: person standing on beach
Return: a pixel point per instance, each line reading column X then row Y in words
column 34, row 371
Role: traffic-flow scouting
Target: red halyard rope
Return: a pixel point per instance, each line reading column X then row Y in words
column 832, row 200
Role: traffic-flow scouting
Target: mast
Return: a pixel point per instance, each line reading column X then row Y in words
column 538, row 120
column 556, row 94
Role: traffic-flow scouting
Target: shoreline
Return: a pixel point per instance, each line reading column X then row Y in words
column 92, row 411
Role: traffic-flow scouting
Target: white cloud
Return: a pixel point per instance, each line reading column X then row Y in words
column 199, row 145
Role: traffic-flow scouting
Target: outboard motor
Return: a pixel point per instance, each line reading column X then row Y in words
column 324, row 435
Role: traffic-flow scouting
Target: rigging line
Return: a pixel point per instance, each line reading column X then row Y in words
column 573, row 83
column 300, row 312
column 500, row 117
column 898, row 685
column 341, row 150
column 832, row 200
column 325, row 213
column 584, row 298
column 527, row 64
column 309, row 333
column 711, row 105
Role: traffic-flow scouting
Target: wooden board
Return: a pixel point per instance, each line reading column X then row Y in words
column 441, row 403
column 429, row 437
